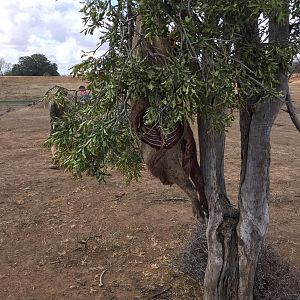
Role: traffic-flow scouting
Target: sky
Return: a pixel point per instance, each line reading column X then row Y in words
column 48, row 27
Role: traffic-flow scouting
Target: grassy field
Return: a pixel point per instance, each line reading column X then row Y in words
column 32, row 88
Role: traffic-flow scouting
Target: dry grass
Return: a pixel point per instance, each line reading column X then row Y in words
column 276, row 279
column 33, row 87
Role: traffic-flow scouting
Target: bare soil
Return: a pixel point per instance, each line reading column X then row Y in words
column 58, row 235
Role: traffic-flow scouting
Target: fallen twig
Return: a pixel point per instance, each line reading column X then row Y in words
column 101, row 277
column 56, row 261
column 171, row 199
column 163, row 290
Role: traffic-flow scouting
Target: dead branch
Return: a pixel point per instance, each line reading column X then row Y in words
column 291, row 111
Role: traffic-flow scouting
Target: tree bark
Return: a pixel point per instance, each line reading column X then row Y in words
column 221, row 276
column 130, row 24
column 235, row 238
column 256, row 121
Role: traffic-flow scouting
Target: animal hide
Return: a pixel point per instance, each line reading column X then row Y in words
column 171, row 158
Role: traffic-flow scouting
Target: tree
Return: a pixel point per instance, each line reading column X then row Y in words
column 220, row 56
column 5, row 67
column 296, row 67
column 34, row 65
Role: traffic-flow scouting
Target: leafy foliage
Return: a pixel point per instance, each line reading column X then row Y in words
column 217, row 48
column 34, row 65
column 89, row 138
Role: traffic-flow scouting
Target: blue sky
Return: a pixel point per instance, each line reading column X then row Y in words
column 43, row 26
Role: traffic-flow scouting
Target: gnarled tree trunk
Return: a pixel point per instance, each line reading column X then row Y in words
column 235, row 238
column 221, row 276
column 256, row 122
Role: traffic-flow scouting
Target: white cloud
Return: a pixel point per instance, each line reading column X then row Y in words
column 48, row 27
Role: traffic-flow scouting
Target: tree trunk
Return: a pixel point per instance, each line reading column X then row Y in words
column 235, row 238
column 221, row 276
column 256, row 121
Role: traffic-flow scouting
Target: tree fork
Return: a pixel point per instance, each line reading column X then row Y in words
column 254, row 182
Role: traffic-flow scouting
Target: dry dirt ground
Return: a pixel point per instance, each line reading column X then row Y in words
column 59, row 236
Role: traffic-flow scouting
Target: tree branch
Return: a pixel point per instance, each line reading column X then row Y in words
column 291, row 111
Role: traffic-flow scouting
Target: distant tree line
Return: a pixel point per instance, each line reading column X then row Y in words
column 39, row 65
column 34, row 65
